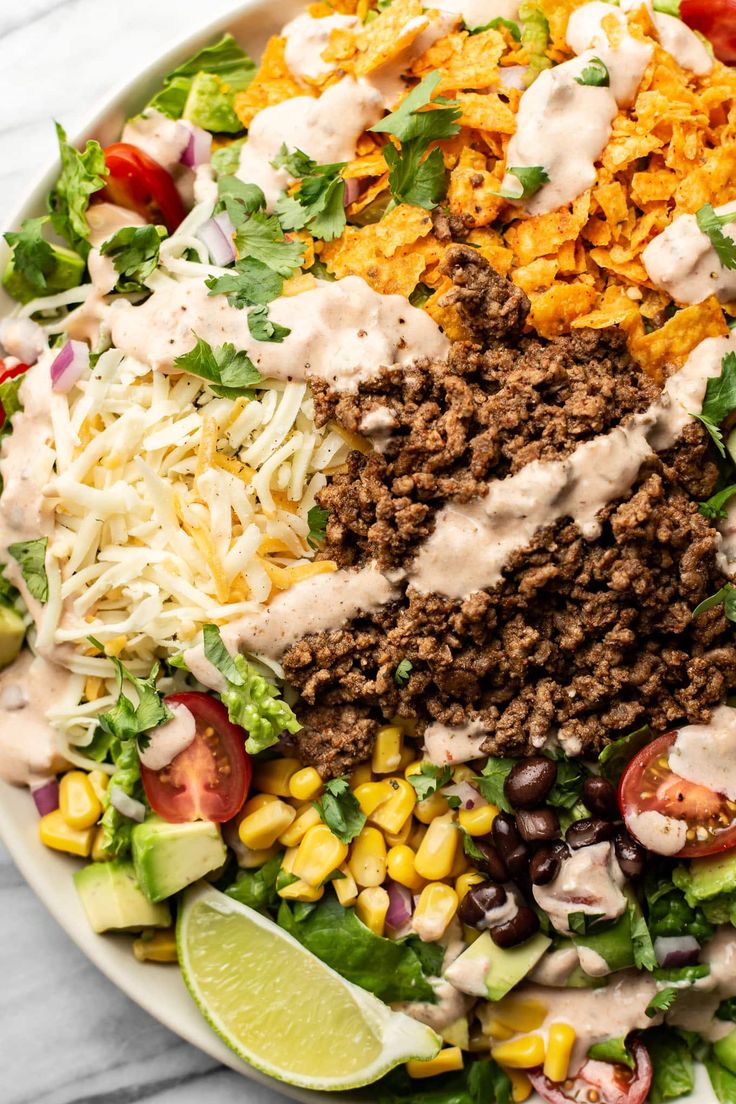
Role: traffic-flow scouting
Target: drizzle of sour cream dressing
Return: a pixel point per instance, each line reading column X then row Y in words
column 341, row 331
column 682, row 261
column 169, row 739
column 28, row 751
column 478, row 537
column 105, row 220
column 477, row 12
column 706, row 753
column 327, row 129
column 590, row 881
column 689, row 51
column 565, row 126
column 161, row 138
column 664, row 835
column 445, row 744
column 306, row 40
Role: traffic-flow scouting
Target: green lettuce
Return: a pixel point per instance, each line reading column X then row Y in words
column 203, row 88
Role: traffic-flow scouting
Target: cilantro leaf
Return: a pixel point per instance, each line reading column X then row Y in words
column 228, row 372
column 710, row 223
column 297, row 163
column 713, row 508
column 318, row 202
column 260, row 236
column 470, row 847
column 531, row 179
column 641, row 939
column 408, row 122
column 401, row 674
column 429, row 778
column 421, row 295
column 239, row 199
column 262, row 328
column 82, row 174
column 31, row 555
column 338, row 806
column 662, row 1001
column 595, row 75
column 250, row 283
column 420, row 183
column 135, row 252
column 726, row 597
column 495, row 24
column 317, row 520
column 33, row 257
column 491, row 782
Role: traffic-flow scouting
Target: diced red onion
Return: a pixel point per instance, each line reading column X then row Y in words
column 468, row 795
column 46, row 796
column 353, row 190
column 513, row 76
column 127, row 805
column 69, row 366
column 216, row 236
column 676, row 950
column 198, row 150
column 400, row 906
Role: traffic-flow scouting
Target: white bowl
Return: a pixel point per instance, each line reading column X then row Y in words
column 158, row 989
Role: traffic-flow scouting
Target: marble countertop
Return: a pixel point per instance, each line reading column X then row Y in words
column 68, row 1036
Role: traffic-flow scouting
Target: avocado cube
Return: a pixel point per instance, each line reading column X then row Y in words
column 210, row 105
column 67, row 273
column 725, row 1051
column 613, row 943
column 485, row 970
column 112, row 899
column 711, row 876
column 169, row 857
column 12, row 635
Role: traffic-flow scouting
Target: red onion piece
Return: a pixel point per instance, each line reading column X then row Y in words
column 46, row 796
column 468, row 795
column 69, row 366
column 513, row 76
column 676, row 950
column 353, row 189
column 217, row 241
column 400, row 907
column 198, row 150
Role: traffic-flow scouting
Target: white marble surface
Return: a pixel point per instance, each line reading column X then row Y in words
column 66, row 1035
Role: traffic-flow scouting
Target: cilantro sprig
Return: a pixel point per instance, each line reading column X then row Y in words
column 531, row 178
column 719, row 401
column 135, row 252
column 319, row 202
column 402, row 672
column 710, row 223
column 33, row 257
column 725, row 597
column 429, row 778
column 339, row 809
column 415, row 176
column 229, row 372
column 595, row 75
column 317, row 522
column 714, row 508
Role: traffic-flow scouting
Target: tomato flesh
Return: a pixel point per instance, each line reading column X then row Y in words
column 604, row 1082
column 7, row 374
column 210, row 779
column 140, row 184
column 716, row 19
column 649, row 784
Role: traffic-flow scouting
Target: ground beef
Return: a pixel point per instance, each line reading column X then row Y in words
column 584, row 639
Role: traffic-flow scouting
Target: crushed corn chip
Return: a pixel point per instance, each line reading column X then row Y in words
column 672, row 344
column 554, row 311
column 272, row 84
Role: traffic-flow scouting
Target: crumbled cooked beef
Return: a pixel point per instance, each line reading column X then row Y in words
column 333, row 740
column 449, row 227
column 493, row 308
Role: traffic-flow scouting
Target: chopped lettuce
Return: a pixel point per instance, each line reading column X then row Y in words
column 672, row 1060
column 257, row 888
column 82, row 174
column 203, row 88
column 31, row 556
column 668, row 912
column 615, row 757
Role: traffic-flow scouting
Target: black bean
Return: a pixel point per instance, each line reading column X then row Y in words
column 546, row 861
column 490, row 862
column 600, row 797
column 508, row 841
column 478, row 902
column 632, row 857
column 530, row 781
column 583, row 833
column 538, row 824
column 517, row 930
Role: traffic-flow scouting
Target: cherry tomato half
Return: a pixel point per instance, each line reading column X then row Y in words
column 6, row 374
column 716, row 19
column 139, row 183
column 648, row 783
column 612, row 1084
column 209, row 780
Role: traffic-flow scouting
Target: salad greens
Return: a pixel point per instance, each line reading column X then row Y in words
column 338, row 806
column 82, row 174
column 31, row 556
column 203, row 88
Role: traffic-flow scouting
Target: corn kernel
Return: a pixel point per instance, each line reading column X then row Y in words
column 361, row 774
column 520, row 1013
column 253, row 804
column 368, row 858
column 248, row 859
column 436, row 854
column 387, row 749
column 300, row 891
column 306, row 817
column 499, row 1031
column 417, row 834
column 401, row 869
column 462, row 863
column 407, row 757
column 346, row 888
column 448, row 1059
column 415, row 767
column 55, row 833
column 560, row 1042
column 435, row 909
column 305, row 784
column 478, row 821
column 431, row 807
column 521, row 1086
column 274, row 776
column 98, row 852
column 371, row 907
column 466, row 882
column 99, row 781
column 463, row 773
column 396, row 839
column 159, row 946
column 370, row 795
column 523, row 1053
column 408, row 725
column 79, row 804
column 263, row 827
column 320, row 854
column 392, row 815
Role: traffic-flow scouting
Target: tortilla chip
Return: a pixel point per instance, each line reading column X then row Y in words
column 370, row 164
column 447, row 316
column 537, row 276
column 622, row 263
column 711, row 182
column 653, row 186
column 272, row 84
column 470, row 194
column 625, row 148
column 554, row 311
column 486, row 112
column 544, row 234
column 465, row 61
column 491, row 246
column 387, row 36
column 672, row 344
column 611, row 198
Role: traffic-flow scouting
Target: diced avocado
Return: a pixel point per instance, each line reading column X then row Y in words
column 487, row 970
column 578, row 979
column 113, row 901
column 612, row 943
column 725, row 1051
column 169, row 857
column 210, row 105
column 12, row 635
column 456, row 1034
column 711, row 876
column 67, row 273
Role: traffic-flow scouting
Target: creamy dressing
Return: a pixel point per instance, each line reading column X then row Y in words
column 706, row 753
column 389, row 79
column 341, row 331
column 169, row 739
column 378, row 425
column 591, row 27
column 326, row 129
column 28, row 751
column 105, row 219
column 307, row 39
column 475, row 13
column 682, row 261
column 689, row 51
column 695, row 1009
column 590, row 881
column 478, row 537
column 592, row 963
column 161, row 138
column 444, row 744
column 555, row 967
column 22, row 338
column 451, row 1005
column 664, row 835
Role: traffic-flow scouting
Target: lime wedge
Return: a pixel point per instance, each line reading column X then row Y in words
column 280, row 1008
